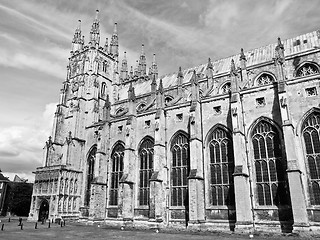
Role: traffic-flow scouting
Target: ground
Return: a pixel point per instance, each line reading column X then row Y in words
column 77, row 231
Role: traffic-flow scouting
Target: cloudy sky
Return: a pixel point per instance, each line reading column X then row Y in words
column 35, row 40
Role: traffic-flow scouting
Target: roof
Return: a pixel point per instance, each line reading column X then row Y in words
column 256, row 56
column 3, row 178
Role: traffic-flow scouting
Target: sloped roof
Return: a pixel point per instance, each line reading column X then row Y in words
column 3, row 178
column 256, row 56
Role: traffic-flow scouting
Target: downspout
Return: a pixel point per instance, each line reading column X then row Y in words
column 249, row 166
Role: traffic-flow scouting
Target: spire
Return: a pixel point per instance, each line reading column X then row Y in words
column 106, row 46
column 95, row 31
column 153, row 84
column 114, row 45
column 154, row 66
column 233, row 70
column 107, row 104
column 160, row 88
column 209, row 69
column 180, row 76
column 136, row 69
column 280, row 52
column 124, row 67
column 234, row 77
column 143, row 62
column 242, row 56
column 242, row 59
column 131, row 72
column 194, row 78
column 131, row 94
column 77, row 42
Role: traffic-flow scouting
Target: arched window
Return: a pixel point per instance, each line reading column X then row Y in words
column 221, row 168
column 145, row 170
column 116, row 172
column 103, row 89
column 270, row 166
column 179, row 170
column 265, row 79
column 141, row 106
column 226, row 88
column 90, row 174
column 168, row 99
column 307, row 69
column 310, row 132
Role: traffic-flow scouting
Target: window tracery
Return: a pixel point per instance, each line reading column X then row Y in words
column 310, row 132
column 307, row 69
column 180, row 169
column 116, row 172
column 90, row 174
column 265, row 79
column 226, row 88
column 221, row 168
column 145, row 170
column 270, row 166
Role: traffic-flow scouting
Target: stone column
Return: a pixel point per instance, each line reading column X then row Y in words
column 126, row 183
column 243, row 201
column 157, row 180
column 241, row 180
column 98, row 186
column 195, row 178
column 298, row 200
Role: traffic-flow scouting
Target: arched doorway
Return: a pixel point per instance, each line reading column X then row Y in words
column 43, row 210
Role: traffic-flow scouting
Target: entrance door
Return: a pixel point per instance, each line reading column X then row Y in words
column 44, row 210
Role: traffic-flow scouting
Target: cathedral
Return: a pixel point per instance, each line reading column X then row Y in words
column 232, row 144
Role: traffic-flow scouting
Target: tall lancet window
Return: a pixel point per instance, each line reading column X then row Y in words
column 145, row 170
column 310, row 131
column 221, row 168
column 179, row 170
column 90, row 174
column 270, row 166
column 116, row 172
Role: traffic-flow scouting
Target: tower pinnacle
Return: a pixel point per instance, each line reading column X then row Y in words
column 95, row 31
column 114, row 44
column 77, row 41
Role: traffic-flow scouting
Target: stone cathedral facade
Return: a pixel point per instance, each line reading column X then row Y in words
column 230, row 144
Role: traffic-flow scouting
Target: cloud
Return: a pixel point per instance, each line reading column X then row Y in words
column 29, row 61
column 21, row 146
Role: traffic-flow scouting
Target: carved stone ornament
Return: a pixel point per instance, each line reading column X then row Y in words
column 192, row 119
column 283, row 102
column 234, row 111
column 75, row 86
column 127, row 131
column 157, row 126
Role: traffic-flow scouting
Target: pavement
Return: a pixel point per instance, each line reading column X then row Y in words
column 73, row 230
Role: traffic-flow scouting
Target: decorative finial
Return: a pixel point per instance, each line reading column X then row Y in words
column 180, row 74
column 160, row 88
column 242, row 56
column 233, row 68
column 209, row 65
column 97, row 14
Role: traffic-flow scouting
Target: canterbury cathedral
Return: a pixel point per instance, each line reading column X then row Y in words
column 232, row 144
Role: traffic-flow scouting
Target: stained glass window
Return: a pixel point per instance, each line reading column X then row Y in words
column 145, row 171
column 221, row 168
column 90, row 174
column 180, row 170
column 310, row 132
column 265, row 79
column 270, row 166
column 307, row 69
column 226, row 88
column 116, row 172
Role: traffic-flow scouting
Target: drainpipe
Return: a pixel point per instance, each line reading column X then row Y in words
column 249, row 166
